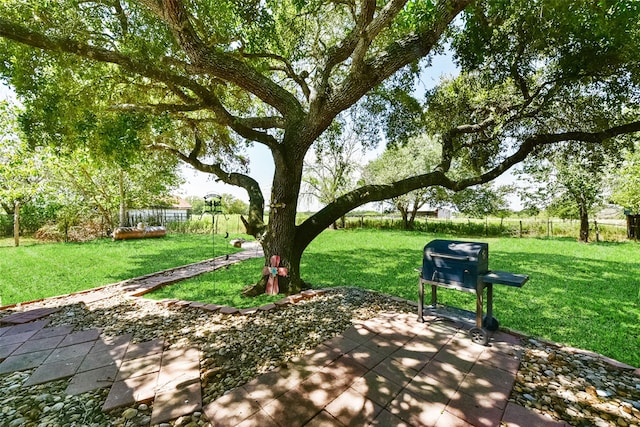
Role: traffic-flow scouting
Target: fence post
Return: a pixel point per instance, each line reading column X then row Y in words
column 595, row 225
column 520, row 228
column 548, row 227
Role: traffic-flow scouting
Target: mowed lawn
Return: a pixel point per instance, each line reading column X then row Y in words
column 32, row 272
column 582, row 295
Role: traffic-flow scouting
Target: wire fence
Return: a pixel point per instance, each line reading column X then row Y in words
column 599, row 230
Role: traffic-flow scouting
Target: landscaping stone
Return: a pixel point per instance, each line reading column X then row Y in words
column 578, row 387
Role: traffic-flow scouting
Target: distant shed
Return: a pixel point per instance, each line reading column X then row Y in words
column 440, row 213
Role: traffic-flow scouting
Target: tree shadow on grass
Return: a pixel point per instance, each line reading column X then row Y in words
column 166, row 258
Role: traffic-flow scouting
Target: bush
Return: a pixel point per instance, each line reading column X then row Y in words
column 89, row 230
column 6, row 225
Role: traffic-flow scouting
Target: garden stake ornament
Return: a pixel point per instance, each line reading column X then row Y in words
column 274, row 271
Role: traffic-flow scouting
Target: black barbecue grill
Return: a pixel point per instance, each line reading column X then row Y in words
column 464, row 266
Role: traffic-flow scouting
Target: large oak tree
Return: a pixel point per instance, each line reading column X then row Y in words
column 212, row 76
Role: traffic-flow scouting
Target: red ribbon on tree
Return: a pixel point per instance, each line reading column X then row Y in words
column 274, row 271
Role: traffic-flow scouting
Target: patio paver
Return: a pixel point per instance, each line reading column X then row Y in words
column 27, row 316
column 93, row 379
column 54, row 371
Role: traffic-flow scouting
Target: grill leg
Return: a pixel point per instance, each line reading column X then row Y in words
column 479, row 304
column 434, row 296
column 489, row 322
column 420, row 300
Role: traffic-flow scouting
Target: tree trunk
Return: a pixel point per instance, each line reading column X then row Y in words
column 412, row 217
column 280, row 235
column 16, row 223
column 405, row 217
column 122, row 215
column 584, row 225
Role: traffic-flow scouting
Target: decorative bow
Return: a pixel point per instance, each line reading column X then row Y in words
column 274, row 271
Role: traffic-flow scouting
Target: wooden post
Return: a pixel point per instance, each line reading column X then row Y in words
column 548, row 228
column 595, row 225
column 520, row 228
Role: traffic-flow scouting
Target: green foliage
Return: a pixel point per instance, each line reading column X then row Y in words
column 482, row 201
column 403, row 160
column 626, row 182
column 21, row 168
column 330, row 171
column 571, row 184
column 531, row 69
column 197, row 204
column 232, row 205
column 400, row 114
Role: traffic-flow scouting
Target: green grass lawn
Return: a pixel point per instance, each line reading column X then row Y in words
column 586, row 296
column 32, row 272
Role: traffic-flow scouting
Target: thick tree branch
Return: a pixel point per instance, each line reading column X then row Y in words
column 397, row 55
column 373, row 28
column 373, row 193
column 26, row 36
column 222, row 64
column 254, row 224
column 288, row 70
column 159, row 108
column 341, row 52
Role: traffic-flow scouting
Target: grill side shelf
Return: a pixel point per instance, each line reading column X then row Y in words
column 505, row 278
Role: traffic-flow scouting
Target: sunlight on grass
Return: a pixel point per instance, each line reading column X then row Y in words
column 45, row 270
column 6, row 242
column 222, row 287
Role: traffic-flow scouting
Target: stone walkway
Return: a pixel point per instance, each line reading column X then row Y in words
column 386, row 371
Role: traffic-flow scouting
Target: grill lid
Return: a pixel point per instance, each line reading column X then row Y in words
column 472, row 252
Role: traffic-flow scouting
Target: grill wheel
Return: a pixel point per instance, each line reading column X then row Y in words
column 479, row 336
